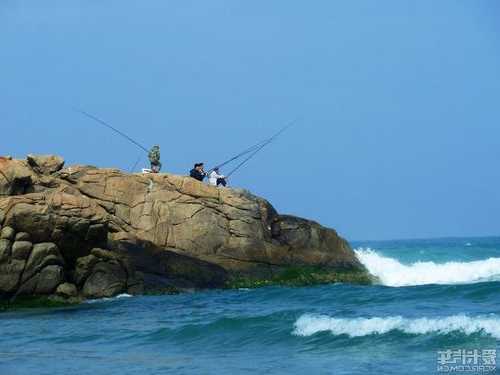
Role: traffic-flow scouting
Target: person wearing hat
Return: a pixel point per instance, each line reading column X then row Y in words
column 216, row 179
column 154, row 159
column 198, row 173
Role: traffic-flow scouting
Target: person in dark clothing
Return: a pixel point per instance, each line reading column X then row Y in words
column 221, row 182
column 198, row 173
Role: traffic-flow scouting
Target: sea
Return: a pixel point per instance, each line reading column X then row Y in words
column 436, row 310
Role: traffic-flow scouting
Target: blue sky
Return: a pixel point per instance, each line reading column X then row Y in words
column 399, row 132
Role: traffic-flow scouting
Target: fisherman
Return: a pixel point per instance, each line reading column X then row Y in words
column 198, row 173
column 154, row 158
column 216, row 179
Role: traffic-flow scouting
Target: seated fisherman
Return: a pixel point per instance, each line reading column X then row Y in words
column 216, row 179
column 198, row 172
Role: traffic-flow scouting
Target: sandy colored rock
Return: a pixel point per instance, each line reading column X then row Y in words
column 45, row 164
column 107, row 231
column 15, row 177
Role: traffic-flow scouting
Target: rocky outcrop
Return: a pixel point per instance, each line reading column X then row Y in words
column 45, row 164
column 84, row 232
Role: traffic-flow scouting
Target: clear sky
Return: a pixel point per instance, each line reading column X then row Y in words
column 399, row 132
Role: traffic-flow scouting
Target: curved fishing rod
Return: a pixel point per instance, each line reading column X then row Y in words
column 110, row 127
column 270, row 140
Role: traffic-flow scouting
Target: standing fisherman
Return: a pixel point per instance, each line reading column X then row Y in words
column 154, row 158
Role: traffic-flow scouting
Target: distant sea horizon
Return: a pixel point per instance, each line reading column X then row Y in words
column 423, row 238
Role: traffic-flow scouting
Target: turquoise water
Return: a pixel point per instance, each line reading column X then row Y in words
column 396, row 328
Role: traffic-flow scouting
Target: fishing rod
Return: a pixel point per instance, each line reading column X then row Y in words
column 270, row 140
column 111, row 127
column 250, row 149
column 255, row 147
column 136, row 162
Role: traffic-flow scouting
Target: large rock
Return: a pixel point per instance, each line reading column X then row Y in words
column 49, row 278
column 23, row 236
column 7, row 233
column 10, row 275
column 106, row 279
column 44, row 282
column 15, row 177
column 21, row 249
column 74, row 222
column 84, row 267
column 298, row 234
column 104, row 273
column 42, row 255
column 29, row 270
column 5, row 249
column 108, row 232
column 67, row 290
column 45, row 164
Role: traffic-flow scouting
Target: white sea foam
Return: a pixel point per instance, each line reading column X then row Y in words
column 308, row 325
column 391, row 272
column 105, row 299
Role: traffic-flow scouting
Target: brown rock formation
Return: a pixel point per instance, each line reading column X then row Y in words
column 105, row 232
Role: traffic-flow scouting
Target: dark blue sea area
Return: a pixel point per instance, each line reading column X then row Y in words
column 437, row 304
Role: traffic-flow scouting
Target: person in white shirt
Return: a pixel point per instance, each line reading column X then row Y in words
column 216, row 179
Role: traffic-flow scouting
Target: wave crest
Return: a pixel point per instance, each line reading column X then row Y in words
column 391, row 272
column 106, row 299
column 308, row 325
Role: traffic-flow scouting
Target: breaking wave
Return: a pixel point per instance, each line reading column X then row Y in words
column 308, row 325
column 391, row 272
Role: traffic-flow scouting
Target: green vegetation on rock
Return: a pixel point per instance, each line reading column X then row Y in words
column 303, row 276
column 33, row 303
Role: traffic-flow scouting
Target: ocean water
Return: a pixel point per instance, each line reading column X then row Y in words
column 435, row 296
